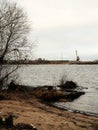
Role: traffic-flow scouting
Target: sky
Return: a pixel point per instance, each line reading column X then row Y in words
column 62, row 26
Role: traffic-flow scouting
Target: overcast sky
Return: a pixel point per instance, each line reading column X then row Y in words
column 63, row 26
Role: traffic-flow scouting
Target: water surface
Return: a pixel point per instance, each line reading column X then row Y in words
column 83, row 75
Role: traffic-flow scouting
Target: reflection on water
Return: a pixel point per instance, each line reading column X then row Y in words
column 84, row 75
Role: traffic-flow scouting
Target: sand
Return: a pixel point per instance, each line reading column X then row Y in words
column 30, row 110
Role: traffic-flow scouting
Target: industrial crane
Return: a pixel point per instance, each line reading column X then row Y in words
column 77, row 57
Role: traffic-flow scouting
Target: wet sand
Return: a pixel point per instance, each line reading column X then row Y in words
column 29, row 109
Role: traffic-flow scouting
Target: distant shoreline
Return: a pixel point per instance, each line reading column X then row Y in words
column 36, row 62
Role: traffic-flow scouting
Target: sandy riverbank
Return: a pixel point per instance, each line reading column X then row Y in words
column 29, row 109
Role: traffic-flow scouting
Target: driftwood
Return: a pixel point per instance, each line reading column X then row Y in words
column 22, row 126
column 7, row 123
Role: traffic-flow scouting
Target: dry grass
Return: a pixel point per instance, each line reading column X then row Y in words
column 49, row 96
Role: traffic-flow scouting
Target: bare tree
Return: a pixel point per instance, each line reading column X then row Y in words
column 14, row 27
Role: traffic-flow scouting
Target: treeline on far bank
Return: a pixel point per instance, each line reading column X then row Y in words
column 43, row 61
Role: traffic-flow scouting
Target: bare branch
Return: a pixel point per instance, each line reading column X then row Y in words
column 13, row 28
column 13, row 36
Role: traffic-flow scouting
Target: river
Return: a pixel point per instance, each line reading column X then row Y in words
column 84, row 75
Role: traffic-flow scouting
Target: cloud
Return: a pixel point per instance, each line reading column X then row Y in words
column 64, row 41
column 54, row 13
column 62, row 26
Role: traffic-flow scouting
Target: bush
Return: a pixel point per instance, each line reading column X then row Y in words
column 68, row 85
column 63, row 80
